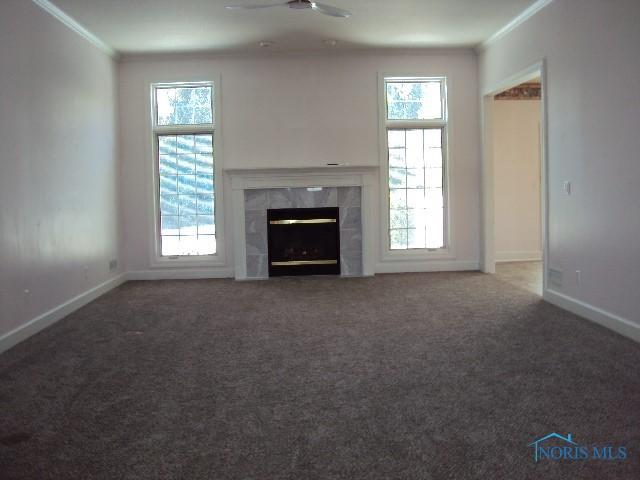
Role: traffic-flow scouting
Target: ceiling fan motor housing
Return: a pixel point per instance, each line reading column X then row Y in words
column 300, row 4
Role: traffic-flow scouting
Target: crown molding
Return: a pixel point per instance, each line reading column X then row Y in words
column 70, row 22
column 513, row 24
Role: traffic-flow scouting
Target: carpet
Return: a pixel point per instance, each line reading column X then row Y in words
column 407, row 376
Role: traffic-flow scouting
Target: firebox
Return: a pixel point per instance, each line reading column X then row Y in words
column 303, row 241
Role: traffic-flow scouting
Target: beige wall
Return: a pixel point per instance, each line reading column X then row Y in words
column 591, row 53
column 517, row 180
column 59, row 224
column 299, row 111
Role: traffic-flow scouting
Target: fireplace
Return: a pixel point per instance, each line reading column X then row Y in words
column 255, row 190
column 303, row 241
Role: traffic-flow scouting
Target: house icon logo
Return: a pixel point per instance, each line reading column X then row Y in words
column 558, row 447
column 539, row 448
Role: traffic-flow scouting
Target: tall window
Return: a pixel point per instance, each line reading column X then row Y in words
column 416, row 123
column 183, row 125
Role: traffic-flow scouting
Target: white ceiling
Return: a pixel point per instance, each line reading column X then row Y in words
column 146, row 26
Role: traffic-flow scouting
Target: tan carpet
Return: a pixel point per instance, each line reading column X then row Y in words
column 526, row 275
column 411, row 376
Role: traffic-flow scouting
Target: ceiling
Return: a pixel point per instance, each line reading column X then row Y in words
column 150, row 26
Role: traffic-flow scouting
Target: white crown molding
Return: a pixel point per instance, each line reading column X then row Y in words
column 70, row 22
column 513, row 24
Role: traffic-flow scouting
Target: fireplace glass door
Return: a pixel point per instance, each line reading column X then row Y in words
column 304, row 241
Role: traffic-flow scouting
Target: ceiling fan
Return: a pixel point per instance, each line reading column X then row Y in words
column 298, row 5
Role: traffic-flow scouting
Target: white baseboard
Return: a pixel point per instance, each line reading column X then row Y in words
column 180, row 273
column 601, row 317
column 426, row 266
column 33, row 326
column 516, row 256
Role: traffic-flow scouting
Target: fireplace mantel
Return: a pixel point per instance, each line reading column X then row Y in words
column 291, row 177
column 242, row 179
column 317, row 168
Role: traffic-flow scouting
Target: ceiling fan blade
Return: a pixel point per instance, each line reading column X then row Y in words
column 329, row 10
column 254, row 7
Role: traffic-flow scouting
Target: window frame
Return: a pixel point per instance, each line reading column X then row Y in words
column 157, row 259
column 413, row 254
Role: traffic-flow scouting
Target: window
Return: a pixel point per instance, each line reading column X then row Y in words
column 415, row 124
column 183, row 126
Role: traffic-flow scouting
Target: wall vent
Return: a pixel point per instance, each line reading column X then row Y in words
column 555, row 277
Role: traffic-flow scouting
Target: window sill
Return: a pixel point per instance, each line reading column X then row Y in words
column 195, row 261
column 418, row 254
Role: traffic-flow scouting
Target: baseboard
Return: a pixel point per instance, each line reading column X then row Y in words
column 426, row 266
column 41, row 322
column 597, row 315
column 516, row 256
column 180, row 273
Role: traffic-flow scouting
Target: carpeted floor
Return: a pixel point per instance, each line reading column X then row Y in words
column 411, row 376
column 525, row 275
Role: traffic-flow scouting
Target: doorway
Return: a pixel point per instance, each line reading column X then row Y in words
column 514, row 181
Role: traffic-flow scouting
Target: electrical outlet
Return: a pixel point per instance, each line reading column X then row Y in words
column 566, row 187
column 113, row 265
column 578, row 278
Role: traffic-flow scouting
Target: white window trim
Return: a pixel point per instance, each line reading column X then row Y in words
column 386, row 253
column 219, row 258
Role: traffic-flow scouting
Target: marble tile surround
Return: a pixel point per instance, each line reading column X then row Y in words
column 347, row 199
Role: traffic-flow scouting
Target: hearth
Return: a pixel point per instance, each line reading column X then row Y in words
column 303, row 241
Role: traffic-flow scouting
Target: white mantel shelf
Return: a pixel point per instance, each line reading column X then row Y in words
column 292, row 177
column 362, row 176
column 309, row 169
